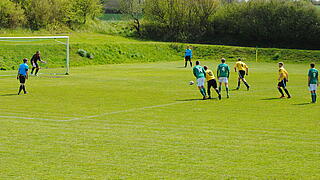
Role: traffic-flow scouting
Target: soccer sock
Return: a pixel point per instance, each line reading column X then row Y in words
column 204, row 91
column 287, row 92
column 32, row 70
column 227, row 89
column 313, row 97
column 190, row 63
column 219, row 89
column 209, row 93
column 37, row 70
column 185, row 64
column 24, row 88
column 238, row 83
column 20, row 88
column 201, row 91
column 245, row 83
column 280, row 90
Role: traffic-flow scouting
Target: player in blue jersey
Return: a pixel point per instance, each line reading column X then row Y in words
column 313, row 82
column 23, row 75
column 200, row 74
column 188, row 56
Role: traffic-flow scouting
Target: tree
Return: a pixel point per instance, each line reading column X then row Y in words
column 11, row 15
column 134, row 9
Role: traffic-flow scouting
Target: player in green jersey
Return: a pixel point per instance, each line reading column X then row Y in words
column 223, row 73
column 313, row 82
column 200, row 74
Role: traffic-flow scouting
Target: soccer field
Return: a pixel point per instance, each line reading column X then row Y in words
column 143, row 121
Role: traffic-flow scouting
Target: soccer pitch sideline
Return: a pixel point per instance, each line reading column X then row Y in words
column 143, row 121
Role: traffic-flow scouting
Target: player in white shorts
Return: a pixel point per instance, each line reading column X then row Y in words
column 223, row 72
column 223, row 80
column 200, row 73
column 313, row 82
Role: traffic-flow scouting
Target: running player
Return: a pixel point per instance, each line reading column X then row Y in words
column 188, row 56
column 23, row 75
column 243, row 70
column 34, row 62
column 283, row 79
column 200, row 74
column 313, row 82
column 211, row 82
column 223, row 73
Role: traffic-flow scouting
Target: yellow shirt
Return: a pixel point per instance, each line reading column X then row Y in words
column 241, row 66
column 283, row 74
column 209, row 75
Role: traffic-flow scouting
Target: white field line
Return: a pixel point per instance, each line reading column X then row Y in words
column 93, row 116
column 30, row 118
column 124, row 111
column 47, row 116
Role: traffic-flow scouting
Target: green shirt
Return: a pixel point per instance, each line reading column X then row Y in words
column 313, row 74
column 223, row 70
column 199, row 72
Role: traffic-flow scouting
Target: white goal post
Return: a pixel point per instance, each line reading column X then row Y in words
column 66, row 43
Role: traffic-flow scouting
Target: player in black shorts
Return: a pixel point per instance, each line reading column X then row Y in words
column 242, row 72
column 34, row 62
column 188, row 57
column 211, row 82
column 23, row 75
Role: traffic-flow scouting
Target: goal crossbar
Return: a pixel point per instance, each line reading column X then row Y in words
column 48, row 37
column 37, row 37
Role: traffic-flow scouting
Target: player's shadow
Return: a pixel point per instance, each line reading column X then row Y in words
column 190, row 100
column 270, row 99
column 302, row 104
column 9, row 95
column 197, row 99
column 182, row 67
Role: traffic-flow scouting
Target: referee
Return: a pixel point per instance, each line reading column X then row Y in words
column 23, row 75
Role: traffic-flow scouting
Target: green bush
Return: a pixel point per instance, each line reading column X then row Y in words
column 82, row 53
column 282, row 23
column 11, row 15
column 48, row 14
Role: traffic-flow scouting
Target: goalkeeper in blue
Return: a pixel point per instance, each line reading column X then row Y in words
column 223, row 72
column 200, row 74
column 313, row 82
column 188, row 57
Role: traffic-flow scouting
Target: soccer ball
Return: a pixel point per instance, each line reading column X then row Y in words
column 191, row 83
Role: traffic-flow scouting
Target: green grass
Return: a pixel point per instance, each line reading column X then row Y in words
column 143, row 121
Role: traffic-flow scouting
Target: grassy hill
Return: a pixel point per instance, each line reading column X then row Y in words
column 109, row 49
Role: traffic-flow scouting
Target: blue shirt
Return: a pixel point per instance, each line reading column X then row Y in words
column 188, row 53
column 23, row 68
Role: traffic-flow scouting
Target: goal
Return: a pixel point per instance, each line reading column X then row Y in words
column 54, row 51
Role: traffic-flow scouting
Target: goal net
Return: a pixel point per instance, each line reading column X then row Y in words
column 54, row 51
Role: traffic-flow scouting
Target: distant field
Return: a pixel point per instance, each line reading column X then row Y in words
column 143, row 121
column 113, row 17
column 110, row 49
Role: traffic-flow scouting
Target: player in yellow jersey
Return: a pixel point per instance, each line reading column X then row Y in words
column 243, row 70
column 211, row 80
column 283, row 79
